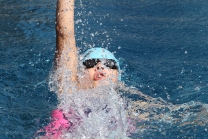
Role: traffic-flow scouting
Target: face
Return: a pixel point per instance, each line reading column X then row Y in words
column 101, row 75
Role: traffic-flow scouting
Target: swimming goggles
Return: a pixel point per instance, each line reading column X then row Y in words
column 110, row 63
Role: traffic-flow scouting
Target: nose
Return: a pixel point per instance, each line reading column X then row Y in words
column 99, row 66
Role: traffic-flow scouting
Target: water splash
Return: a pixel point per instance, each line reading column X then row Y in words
column 94, row 113
column 101, row 113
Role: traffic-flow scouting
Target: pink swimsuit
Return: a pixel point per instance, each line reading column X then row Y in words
column 59, row 124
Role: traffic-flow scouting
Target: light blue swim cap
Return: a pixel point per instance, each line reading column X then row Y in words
column 100, row 53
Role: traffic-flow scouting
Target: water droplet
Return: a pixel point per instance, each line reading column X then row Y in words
column 92, row 34
column 197, row 88
column 47, row 60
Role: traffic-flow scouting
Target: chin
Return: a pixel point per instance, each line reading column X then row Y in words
column 103, row 82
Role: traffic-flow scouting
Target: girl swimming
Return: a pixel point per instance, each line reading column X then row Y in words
column 97, row 112
column 99, row 63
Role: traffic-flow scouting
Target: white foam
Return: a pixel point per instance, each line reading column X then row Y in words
column 99, row 113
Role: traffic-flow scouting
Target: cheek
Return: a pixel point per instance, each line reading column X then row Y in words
column 89, row 73
column 113, row 74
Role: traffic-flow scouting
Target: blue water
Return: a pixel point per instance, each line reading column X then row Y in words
column 162, row 46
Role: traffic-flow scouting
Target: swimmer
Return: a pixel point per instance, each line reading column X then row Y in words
column 100, row 64
column 100, row 68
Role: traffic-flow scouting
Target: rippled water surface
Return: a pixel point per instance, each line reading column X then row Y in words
column 162, row 46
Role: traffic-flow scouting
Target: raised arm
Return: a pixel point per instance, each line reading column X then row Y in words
column 66, row 51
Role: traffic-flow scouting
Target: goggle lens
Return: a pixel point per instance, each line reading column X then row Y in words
column 110, row 63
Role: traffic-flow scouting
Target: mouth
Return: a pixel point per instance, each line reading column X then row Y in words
column 99, row 76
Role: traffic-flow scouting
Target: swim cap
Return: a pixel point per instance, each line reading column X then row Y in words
column 100, row 53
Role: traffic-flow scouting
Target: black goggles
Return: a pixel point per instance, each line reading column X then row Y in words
column 110, row 63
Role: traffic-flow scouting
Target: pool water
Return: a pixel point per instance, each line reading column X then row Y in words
column 162, row 46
